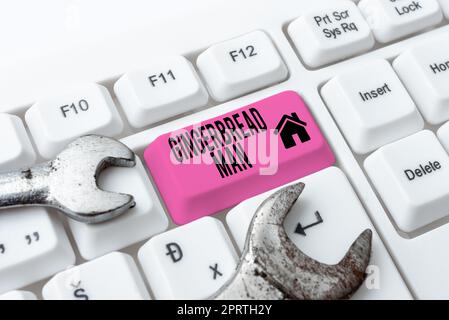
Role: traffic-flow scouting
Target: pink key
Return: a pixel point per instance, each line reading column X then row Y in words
column 208, row 167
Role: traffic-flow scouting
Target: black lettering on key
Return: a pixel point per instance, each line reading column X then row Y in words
column 322, row 20
column 164, row 77
column 34, row 237
column 301, row 230
column 81, row 105
column 423, row 170
column 245, row 53
column 2, row 248
column 439, row 67
column 215, row 271
column 80, row 294
column 174, row 251
column 406, row 9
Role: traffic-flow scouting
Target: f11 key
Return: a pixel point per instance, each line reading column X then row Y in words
column 208, row 167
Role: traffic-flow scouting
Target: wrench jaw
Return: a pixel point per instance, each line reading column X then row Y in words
column 98, row 151
column 305, row 278
column 301, row 276
column 73, row 179
column 102, row 206
column 249, row 283
column 273, row 267
column 355, row 261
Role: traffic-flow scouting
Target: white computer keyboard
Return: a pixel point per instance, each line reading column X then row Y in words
column 373, row 73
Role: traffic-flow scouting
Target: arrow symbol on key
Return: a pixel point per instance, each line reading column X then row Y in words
column 301, row 230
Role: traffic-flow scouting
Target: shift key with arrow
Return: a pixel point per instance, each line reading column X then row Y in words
column 302, row 230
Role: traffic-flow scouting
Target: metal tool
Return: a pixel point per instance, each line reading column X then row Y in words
column 273, row 268
column 69, row 182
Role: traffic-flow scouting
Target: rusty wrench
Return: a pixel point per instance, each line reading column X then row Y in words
column 273, row 268
column 69, row 182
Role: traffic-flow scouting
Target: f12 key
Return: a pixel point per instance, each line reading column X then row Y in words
column 208, row 167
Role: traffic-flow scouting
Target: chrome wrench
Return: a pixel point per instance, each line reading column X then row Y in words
column 273, row 268
column 69, row 182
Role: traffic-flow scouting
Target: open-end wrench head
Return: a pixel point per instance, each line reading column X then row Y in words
column 301, row 276
column 73, row 175
column 273, row 267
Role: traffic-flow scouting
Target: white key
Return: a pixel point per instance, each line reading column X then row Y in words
column 241, row 65
column 57, row 120
column 371, row 106
column 18, row 295
column 160, row 91
column 411, row 176
column 190, row 262
column 33, row 246
column 16, row 148
column 332, row 33
column 445, row 7
column 144, row 220
column 392, row 20
column 443, row 135
column 112, row 277
column 329, row 193
column 425, row 72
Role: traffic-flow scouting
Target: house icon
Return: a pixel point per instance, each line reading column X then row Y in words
column 289, row 127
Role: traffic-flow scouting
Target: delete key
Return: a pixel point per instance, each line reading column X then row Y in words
column 211, row 166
